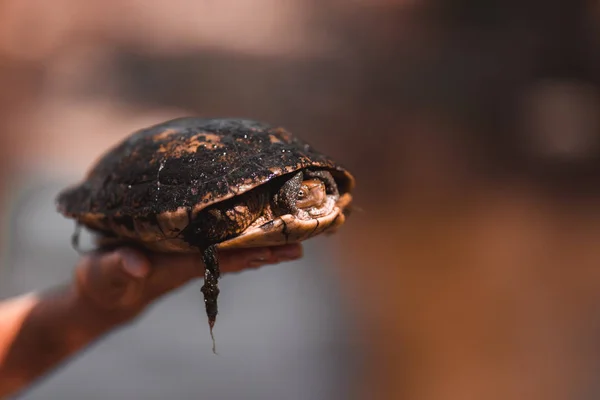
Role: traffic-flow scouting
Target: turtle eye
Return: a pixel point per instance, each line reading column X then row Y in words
column 311, row 194
column 302, row 193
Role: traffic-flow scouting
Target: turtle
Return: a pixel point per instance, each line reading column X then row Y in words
column 199, row 185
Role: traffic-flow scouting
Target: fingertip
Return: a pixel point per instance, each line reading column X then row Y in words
column 287, row 252
column 134, row 263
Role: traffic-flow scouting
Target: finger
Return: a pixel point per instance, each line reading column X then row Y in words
column 134, row 263
column 276, row 254
column 171, row 271
column 241, row 259
column 113, row 279
column 288, row 252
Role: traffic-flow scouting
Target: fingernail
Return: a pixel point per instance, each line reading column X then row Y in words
column 256, row 264
column 260, row 256
column 287, row 253
column 133, row 264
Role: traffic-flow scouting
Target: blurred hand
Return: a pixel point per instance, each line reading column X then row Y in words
column 121, row 283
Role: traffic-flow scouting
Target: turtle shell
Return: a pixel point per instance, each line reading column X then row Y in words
column 160, row 177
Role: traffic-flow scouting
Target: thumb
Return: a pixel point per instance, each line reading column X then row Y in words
column 113, row 280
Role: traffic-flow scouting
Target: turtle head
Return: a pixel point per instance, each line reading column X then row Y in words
column 312, row 194
column 307, row 195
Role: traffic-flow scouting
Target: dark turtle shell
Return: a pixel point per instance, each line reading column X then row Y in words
column 188, row 163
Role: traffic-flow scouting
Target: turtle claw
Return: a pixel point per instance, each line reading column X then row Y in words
column 211, row 324
column 75, row 240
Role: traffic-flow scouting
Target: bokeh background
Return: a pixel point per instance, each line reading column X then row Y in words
column 471, row 268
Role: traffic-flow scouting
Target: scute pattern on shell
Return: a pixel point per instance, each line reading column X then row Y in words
column 192, row 163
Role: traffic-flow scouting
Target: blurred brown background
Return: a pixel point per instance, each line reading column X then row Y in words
column 472, row 271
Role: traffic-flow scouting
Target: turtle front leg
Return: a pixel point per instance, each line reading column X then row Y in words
column 75, row 237
column 286, row 197
column 210, row 289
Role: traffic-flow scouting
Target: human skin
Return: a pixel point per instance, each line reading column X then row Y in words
column 39, row 331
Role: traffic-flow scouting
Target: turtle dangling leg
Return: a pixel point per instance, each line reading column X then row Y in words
column 210, row 289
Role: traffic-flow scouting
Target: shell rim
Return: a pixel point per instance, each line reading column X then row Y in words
column 349, row 185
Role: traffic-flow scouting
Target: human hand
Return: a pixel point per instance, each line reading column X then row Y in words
column 119, row 284
column 40, row 330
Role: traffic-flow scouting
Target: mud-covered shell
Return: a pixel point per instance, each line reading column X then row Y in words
column 190, row 163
